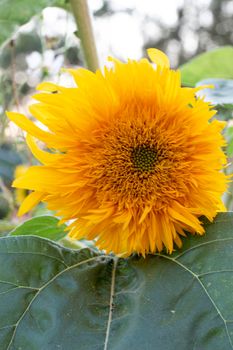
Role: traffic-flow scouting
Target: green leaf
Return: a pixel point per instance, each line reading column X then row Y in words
column 42, row 226
column 225, row 112
column 15, row 13
column 213, row 64
column 55, row 298
column 220, row 94
column 229, row 137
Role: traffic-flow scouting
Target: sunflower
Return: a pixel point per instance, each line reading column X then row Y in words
column 134, row 158
column 20, row 193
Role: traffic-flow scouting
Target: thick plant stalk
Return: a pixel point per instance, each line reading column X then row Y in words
column 85, row 30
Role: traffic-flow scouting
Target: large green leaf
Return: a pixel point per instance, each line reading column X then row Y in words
column 43, row 226
column 220, row 94
column 213, row 64
column 17, row 12
column 229, row 136
column 56, row 298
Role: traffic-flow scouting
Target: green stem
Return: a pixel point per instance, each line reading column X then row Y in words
column 82, row 16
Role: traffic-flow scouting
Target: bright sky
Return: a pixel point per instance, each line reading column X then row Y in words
column 122, row 34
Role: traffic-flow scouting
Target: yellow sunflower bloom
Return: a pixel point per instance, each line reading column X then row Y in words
column 135, row 158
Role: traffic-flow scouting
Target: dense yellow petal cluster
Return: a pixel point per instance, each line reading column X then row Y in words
column 134, row 158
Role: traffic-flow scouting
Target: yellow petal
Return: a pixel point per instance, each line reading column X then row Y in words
column 80, row 75
column 50, row 87
column 30, row 202
column 144, row 214
column 182, row 215
column 159, row 58
column 44, row 157
column 25, row 124
column 46, row 179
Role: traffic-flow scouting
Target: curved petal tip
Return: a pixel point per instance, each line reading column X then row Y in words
column 159, row 58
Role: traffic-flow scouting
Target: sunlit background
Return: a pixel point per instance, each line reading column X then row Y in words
column 123, row 28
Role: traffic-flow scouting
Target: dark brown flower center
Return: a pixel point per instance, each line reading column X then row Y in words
column 143, row 157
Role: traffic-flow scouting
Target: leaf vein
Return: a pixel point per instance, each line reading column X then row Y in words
column 112, row 291
column 204, row 289
column 33, row 253
column 202, row 244
column 46, row 285
column 18, row 287
column 213, row 272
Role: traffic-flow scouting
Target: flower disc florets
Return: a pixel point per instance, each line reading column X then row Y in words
column 134, row 159
column 143, row 157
